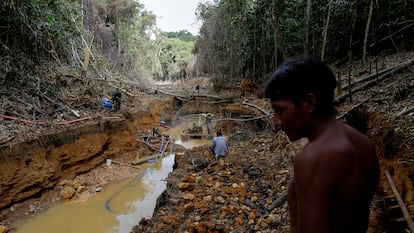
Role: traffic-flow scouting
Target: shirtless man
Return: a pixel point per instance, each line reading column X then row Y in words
column 337, row 172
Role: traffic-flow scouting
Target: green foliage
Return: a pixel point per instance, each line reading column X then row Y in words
column 175, row 53
column 43, row 26
column 134, row 48
column 183, row 35
column 122, row 29
column 393, row 17
column 238, row 38
column 243, row 39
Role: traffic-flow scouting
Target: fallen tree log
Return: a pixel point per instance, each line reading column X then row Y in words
column 124, row 164
column 354, row 107
column 400, row 202
column 154, row 156
column 247, row 119
column 144, row 160
column 404, row 111
column 371, row 79
column 257, row 107
column 380, row 73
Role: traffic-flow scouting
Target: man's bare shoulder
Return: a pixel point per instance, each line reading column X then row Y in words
column 325, row 151
column 336, row 149
column 330, row 152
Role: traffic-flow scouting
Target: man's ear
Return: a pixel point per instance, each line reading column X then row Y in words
column 309, row 102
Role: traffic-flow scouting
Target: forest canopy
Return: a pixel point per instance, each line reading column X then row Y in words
column 120, row 34
column 254, row 36
column 238, row 38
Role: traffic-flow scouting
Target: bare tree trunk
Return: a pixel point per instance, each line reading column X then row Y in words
column 325, row 33
column 263, row 55
column 364, row 50
column 82, row 14
column 255, row 48
column 276, row 27
column 354, row 17
column 307, row 19
column 276, row 44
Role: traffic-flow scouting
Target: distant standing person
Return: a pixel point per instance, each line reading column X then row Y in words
column 335, row 175
column 219, row 146
column 116, row 100
column 197, row 88
column 208, row 124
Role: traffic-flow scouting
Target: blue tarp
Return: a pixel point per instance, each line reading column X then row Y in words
column 106, row 103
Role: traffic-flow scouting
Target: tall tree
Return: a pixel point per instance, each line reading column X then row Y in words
column 351, row 33
column 364, row 50
column 325, row 31
column 307, row 20
column 240, row 39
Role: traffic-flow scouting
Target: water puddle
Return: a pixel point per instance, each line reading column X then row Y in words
column 120, row 206
column 176, row 132
column 193, row 143
column 117, row 208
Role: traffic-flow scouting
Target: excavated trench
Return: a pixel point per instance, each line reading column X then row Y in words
column 32, row 170
column 116, row 208
column 394, row 149
column 393, row 140
column 28, row 168
column 69, row 165
column 37, row 173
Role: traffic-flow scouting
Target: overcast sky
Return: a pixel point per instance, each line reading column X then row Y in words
column 174, row 15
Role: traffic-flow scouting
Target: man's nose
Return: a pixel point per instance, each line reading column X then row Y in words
column 277, row 122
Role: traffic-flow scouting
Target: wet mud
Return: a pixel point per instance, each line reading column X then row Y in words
column 244, row 192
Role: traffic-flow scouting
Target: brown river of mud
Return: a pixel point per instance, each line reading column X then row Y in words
column 241, row 193
column 116, row 207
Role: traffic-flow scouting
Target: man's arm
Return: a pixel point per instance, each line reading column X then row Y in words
column 293, row 208
column 213, row 145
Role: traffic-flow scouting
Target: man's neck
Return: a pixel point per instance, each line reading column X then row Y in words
column 319, row 126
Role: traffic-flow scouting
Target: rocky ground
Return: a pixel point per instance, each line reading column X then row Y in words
column 244, row 192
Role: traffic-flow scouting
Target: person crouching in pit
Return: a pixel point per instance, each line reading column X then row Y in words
column 219, row 146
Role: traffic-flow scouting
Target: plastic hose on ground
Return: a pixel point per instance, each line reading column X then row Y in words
column 139, row 177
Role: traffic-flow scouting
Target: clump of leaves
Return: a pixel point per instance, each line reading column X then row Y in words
column 40, row 26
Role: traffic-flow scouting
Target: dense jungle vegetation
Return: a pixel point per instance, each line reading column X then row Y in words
column 238, row 38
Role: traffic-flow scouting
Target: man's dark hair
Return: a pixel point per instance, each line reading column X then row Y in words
column 297, row 77
column 219, row 134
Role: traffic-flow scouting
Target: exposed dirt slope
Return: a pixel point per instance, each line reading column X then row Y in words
column 237, row 194
column 240, row 192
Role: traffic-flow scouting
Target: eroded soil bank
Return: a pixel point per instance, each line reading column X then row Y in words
column 243, row 192
column 69, row 164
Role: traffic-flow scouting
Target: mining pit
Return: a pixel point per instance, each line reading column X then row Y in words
column 242, row 193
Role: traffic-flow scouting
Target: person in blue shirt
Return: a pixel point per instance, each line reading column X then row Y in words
column 219, row 146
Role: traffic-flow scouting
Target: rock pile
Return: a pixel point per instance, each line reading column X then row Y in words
column 243, row 192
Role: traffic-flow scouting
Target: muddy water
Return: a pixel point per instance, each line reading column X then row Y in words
column 117, row 208
column 193, row 142
column 175, row 133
